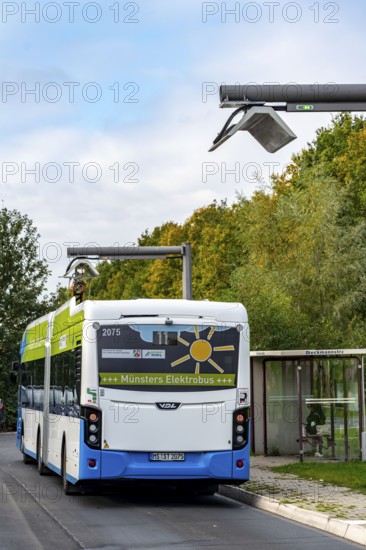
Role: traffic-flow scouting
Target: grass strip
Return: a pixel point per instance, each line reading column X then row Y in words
column 343, row 474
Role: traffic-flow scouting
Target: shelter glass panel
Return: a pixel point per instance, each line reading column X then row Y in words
column 328, row 420
column 282, row 406
column 334, row 384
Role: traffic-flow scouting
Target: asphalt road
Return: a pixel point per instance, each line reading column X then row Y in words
column 36, row 515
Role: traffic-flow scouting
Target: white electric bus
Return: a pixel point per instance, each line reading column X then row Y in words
column 139, row 390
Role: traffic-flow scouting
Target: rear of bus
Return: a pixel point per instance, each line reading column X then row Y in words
column 171, row 397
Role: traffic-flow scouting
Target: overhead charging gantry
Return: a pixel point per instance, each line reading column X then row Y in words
column 259, row 103
column 80, row 268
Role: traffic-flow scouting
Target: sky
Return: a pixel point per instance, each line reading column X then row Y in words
column 108, row 109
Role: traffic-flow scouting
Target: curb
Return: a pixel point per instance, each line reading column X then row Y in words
column 337, row 527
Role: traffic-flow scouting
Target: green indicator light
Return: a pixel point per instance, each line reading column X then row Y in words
column 305, row 107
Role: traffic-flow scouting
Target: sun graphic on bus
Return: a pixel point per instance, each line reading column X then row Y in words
column 201, row 350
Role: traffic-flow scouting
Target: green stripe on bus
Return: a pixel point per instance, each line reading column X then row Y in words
column 33, row 352
column 67, row 331
column 64, row 319
column 35, row 339
column 36, row 333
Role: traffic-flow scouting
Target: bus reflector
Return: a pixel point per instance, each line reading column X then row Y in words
column 239, row 463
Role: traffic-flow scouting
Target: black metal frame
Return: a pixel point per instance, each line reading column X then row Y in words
column 140, row 253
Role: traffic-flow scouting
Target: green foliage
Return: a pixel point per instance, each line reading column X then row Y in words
column 22, row 279
column 57, row 298
column 295, row 254
column 332, row 143
column 340, row 151
column 213, row 232
column 275, row 323
column 320, row 261
column 217, row 248
column 343, row 474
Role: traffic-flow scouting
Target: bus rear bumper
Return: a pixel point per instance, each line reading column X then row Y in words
column 219, row 465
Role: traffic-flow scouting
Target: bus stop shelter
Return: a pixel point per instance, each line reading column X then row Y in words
column 286, row 385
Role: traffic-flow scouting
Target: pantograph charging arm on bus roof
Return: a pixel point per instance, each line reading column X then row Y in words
column 259, row 103
column 141, row 253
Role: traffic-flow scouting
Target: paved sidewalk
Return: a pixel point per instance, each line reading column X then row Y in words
column 336, row 510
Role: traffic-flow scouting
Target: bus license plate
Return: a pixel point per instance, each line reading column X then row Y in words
column 167, row 457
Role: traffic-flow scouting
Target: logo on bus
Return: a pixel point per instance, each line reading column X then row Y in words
column 168, row 406
column 153, row 354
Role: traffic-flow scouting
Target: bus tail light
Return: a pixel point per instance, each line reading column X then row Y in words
column 240, row 428
column 92, row 423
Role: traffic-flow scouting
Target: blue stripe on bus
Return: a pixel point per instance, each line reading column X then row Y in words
column 58, row 471
column 54, row 468
column 30, row 453
column 19, row 427
column 137, row 465
column 207, row 465
column 71, row 479
column 87, row 454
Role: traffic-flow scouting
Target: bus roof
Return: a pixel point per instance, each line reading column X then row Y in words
column 117, row 309
column 73, row 314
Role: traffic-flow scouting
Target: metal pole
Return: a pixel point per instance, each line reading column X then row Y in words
column 187, row 271
column 124, row 252
column 264, row 401
column 299, row 409
column 360, row 406
column 299, row 93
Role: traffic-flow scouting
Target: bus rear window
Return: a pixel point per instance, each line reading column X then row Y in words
column 183, row 358
column 165, row 338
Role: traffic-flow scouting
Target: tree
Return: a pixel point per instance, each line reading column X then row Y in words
column 212, row 231
column 57, row 298
column 320, row 261
column 275, row 321
column 294, row 254
column 340, row 153
column 123, row 280
column 302, row 280
column 23, row 276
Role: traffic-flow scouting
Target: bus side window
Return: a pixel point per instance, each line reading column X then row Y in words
column 75, row 396
column 23, row 397
column 58, row 408
column 25, row 375
column 30, row 400
column 69, row 401
column 38, row 394
column 76, row 404
column 52, row 400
